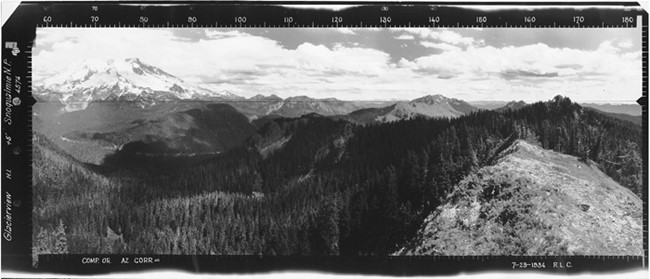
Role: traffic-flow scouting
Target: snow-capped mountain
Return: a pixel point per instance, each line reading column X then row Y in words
column 118, row 80
column 428, row 106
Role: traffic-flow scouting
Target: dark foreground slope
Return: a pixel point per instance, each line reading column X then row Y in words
column 534, row 202
column 314, row 186
column 70, row 204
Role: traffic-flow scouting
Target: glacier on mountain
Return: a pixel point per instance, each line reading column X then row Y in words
column 129, row 80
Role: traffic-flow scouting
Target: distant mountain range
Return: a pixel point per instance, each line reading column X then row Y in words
column 356, row 111
column 259, row 106
column 427, row 106
column 637, row 119
column 512, row 106
column 629, row 109
column 131, row 81
column 488, row 105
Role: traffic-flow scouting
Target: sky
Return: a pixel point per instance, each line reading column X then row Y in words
column 499, row 64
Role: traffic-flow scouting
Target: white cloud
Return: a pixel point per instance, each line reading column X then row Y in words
column 625, row 44
column 357, row 60
column 247, row 65
column 346, row 31
column 438, row 35
column 236, row 62
column 405, row 37
column 540, row 69
column 217, row 34
column 442, row 46
column 320, row 7
column 451, row 37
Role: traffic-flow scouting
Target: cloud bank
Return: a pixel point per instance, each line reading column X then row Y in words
column 366, row 63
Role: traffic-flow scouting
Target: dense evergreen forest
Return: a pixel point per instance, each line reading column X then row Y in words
column 326, row 187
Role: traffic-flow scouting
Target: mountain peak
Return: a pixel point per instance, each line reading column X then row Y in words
column 426, row 106
column 516, row 104
column 299, row 98
column 260, row 97
column 133, row 60
column 273, row 96
column 559, row 98
column 512, row 105
column 431, row 99
column 98, row 79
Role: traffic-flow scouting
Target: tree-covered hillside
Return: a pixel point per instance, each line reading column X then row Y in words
column 325, row 187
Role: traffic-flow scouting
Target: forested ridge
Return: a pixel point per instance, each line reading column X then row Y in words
column 328, row 187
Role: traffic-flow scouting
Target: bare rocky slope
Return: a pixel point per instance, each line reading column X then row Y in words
column 533, row 202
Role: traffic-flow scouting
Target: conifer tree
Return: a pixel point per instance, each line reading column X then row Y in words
column 61, row 244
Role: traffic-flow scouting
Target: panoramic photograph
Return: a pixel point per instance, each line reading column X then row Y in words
column 337, row 141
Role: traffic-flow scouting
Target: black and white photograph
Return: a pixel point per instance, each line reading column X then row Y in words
column 337, row 141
